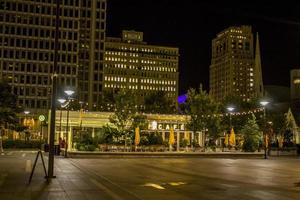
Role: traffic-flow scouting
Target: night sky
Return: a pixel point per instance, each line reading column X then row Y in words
column 191, row 25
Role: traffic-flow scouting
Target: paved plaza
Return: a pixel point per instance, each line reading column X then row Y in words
column 150, row 178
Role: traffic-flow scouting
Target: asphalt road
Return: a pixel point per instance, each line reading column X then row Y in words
column 157, row 178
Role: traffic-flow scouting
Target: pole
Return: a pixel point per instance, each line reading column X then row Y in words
column 230, row 120
column 60, row 120
column 41, row 132
column 53, row 97
column 67, row 134
column 265, row 136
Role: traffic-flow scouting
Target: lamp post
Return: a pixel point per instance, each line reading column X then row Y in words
column 230, row 109
column 61, row 101
column 69, row 93
column 26, row 123
column 264, row 104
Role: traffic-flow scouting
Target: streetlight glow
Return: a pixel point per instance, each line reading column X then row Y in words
column 230, row 109
column 69, row 92
column 264, row 103
column 26, row 112
column 61, row 100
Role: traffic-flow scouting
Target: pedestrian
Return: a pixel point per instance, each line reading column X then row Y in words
column 63, row 143
column 60, row 142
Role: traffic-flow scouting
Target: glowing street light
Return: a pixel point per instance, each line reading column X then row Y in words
column 69, row 94
column 230, row 109
column 61, row 101
column 264, row 104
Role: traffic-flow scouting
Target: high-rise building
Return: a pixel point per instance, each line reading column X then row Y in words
column 295, row 84
column 27, row 31
column 235, row 69
column 133, row 64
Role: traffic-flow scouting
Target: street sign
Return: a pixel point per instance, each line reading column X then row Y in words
column 42, row 118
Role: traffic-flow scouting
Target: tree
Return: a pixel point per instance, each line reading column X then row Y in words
column 126, row 114
column 203, row 111
column 158, row 102
column 251, row 135
column 8, row 108
column 240, row 106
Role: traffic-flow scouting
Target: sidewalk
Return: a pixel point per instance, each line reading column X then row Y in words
column 71, row 182
column 174, row 154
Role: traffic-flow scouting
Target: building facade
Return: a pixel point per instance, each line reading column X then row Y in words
column 235, row 69
column 27, row 31
column 133, row 64
column 295, row 84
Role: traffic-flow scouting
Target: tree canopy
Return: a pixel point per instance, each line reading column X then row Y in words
column 8, row 105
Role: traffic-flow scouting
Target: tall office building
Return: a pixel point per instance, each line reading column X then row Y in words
column 27, row 31
column 235, row 69
column 295, row 84
column 133, row 64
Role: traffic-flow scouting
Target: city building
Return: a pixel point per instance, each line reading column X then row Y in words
column 133, row 64
column 27, row 31
column 295, row 84
column 235, row 69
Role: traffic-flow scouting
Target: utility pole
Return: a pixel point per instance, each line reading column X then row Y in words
column 53, row 97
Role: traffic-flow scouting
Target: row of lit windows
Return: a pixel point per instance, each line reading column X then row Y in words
column 235, row 31
column 149, row 50
column 239, row 37
column 158, row 81
column 118, row 79
column 147, row 87
column 135, row 87
column 164, row 69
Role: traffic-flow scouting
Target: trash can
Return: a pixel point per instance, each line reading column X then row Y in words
column 45, row 147
column 56, row 150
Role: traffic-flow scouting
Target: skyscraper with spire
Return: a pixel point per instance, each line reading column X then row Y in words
column 235, row 68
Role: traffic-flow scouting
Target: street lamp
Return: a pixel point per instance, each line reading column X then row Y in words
column 61, row 101
column 69, row 93
column 230, row 109
column 264, row 104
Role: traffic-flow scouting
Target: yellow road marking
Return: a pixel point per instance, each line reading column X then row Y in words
column 154, row 185
column 177, row 183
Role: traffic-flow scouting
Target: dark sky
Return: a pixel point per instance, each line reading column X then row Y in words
column 191, row 25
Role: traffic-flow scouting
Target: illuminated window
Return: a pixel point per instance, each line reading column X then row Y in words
column 296, row 81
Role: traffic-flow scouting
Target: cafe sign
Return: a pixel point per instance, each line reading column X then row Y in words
column 165, row 126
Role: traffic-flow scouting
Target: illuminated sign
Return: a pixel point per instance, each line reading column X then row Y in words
column 165, row 126
column 42, row 118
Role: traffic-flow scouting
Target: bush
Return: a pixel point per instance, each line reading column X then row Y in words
column 31, row 144
column 184, row 143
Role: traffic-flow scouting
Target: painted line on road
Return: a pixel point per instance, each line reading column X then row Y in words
column 177, row 183
column 105, row 189
column 28, row 166
column 156, row 186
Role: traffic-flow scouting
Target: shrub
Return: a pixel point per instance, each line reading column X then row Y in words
column 31, row 144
